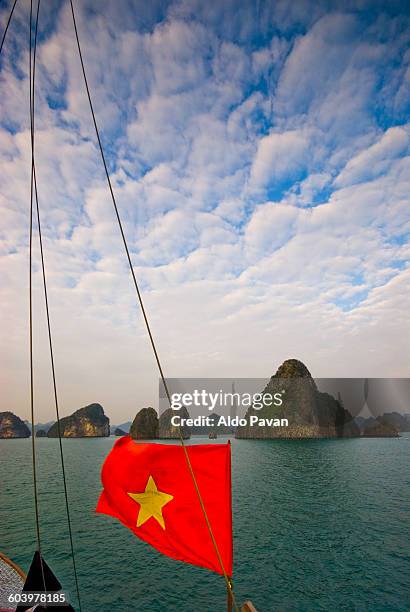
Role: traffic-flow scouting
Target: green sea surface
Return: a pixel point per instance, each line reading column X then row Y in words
column 318, row 525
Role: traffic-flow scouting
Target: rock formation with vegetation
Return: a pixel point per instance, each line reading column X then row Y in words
column 87, row 422
column 11, row 426
column 380, row 429
column 145, row 425
column 310, row 413
column 167, row 430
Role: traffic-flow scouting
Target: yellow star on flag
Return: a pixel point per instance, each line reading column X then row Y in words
column 151, row 503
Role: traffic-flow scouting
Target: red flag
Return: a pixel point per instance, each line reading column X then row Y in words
column 149, row 488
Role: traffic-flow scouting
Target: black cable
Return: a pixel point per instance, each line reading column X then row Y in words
column 50, row 343
column 32, row 72
column 7, row 25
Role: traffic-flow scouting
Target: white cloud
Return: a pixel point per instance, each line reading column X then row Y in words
column 279, row 156
column 270, row 227
column 377, row 158
column 318, row 59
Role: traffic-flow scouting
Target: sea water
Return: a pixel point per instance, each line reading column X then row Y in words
column 318, row 525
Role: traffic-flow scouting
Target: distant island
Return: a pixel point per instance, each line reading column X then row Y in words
column 389, row 421
column 40, row 427
column 169, row 431
column 120, row 432
column 309, row 412
column 380, row 429
column 11, row 426
column 145, row 425
column 87, row 422
column 125, row 427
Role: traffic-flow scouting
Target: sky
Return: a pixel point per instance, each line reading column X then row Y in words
column 259, row 153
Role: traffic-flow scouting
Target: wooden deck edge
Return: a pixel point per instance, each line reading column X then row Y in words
column 11, row 563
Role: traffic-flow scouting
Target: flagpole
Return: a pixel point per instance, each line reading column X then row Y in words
column 229, row 595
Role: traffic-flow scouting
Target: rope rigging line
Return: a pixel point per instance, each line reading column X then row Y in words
column 56, row 402
column 50, row 342
column 7, row 25
column 32, row 72
column 145, row 317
